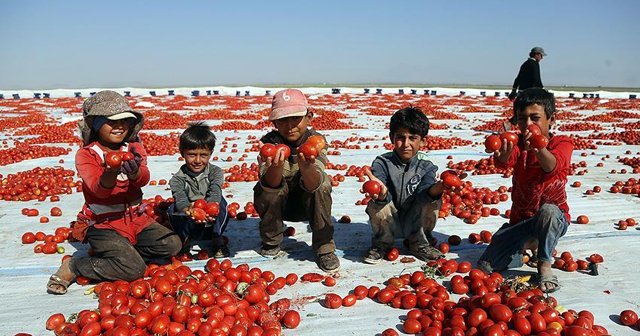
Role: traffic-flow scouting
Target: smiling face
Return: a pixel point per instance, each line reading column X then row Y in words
column 292, row 128
column 534, row 114
column 196, row 159
column 406, row 144
column 114, row 132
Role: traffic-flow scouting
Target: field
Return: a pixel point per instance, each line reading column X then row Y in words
column 39, row 141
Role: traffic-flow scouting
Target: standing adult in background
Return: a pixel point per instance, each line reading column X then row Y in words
column 529, row 74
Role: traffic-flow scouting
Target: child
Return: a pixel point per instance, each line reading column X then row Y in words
column 409, row 199
column 113, row 220
column 198, row 179
column 296, row 188
column 539, row 213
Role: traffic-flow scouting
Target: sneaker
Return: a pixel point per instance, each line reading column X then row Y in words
column 374, row 256
column 221, row 251
column 328, row 262
column 426, row 253
column 269, row 250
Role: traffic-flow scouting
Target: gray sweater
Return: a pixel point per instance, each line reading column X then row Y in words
column 187, row 187
column 404, row 181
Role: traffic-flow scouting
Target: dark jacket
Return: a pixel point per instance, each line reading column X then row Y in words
column 407, row 181
column 291, row 165
column 529, row 75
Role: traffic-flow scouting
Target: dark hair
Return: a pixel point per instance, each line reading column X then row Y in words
column 411, row 118
column 533, row 96
column 197, row 135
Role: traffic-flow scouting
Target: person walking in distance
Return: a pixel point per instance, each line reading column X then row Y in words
column 529, row 74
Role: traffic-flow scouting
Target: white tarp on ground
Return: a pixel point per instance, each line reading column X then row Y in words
column 23, row 274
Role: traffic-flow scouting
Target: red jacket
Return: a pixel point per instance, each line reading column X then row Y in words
column 532, row 187
column 117, row 208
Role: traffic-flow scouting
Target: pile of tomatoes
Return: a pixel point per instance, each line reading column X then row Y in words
column 38, row 184
column 176, row 300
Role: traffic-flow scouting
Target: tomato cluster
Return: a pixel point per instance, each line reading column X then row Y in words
column 38, row 184
column 469, row 203
column 21, row 151
column 176, row 300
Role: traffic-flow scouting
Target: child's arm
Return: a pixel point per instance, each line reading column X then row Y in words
column 99, row 179
column 142, row 176
column 384, row 191
column 216, row 177
column 272, row 178
column 311, row 173
column 179, row 193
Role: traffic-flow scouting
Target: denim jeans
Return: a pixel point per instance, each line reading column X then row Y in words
column 547, row 226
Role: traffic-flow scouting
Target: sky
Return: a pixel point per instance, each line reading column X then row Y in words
column 93, row 44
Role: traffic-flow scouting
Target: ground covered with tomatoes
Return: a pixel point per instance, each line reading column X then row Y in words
column 248, row 294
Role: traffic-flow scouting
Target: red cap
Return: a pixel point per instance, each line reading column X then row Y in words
column 288, row 103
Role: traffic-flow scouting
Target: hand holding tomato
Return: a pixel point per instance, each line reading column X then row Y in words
column 451, row 179
column 273, row 155
column 374, row 188
column 506, row 148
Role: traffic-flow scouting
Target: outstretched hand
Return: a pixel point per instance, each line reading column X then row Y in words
column 383, row 188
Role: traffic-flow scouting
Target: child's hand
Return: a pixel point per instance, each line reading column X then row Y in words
column 505, row 151
column 383, row 188
column 277, row 161
column 305, row 162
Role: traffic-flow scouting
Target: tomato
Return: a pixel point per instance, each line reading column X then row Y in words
column 411, row 326
column 522, row 325
column 371, row 187
column 494, row 330
column 492, row 143
column 576, row 331
column 291, row 279
column 212, row 209
column 444, row 248
column 349, row 300
column 113, row 159
column 54, row 321
column 454, row 240
column 451, row 180
column 332, row 301
column 628, row 317
column 284, row 149
column 510, row 137
column 393, row 254
column 198, row 214
column 596, row 258
column 537, row 322
column 582, row 219
column 360, row 292
column 91, row 329
column 329, row 281
column 500, row 312
column 390, row 332
column 200, row 204
column 291, row 319
column 268, row 150
column 28, row 238
column 486, row 236
column 317, row 141
column 534, row 129
column 538, row 141
column 308, row 150
column 477, row 316
column 56, row 212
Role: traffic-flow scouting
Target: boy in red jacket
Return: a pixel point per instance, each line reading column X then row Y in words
column 112, row 219
column 539, row 213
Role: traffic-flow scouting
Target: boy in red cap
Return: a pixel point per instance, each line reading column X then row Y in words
column 294, row 188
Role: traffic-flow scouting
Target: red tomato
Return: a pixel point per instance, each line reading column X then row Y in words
column 127, row 156
column 628, row 317
column 534, row 129
column 360, row 292
column 477, row 316
column 393, row 254
column 411, row 326
column 317, row 141
column 451, row 180
column 576, row 331
column 582, row 219
column 538, row 141
column 500, row 312
column 371, row 187
column 510, row 137
column 56, row 212
column 198, row 214
column 308, row 150
column 492, row 143
column 113, row 159
column 454, row 240
column 54, row 321
column 522, row 325
column 291, row 319
column 332, row 301
column 200, row 204
column 349, row 300
column 268, row 150
column 28, row 238
column 329, row 281
column 285, row 149
column 212, row 209
column 390, row 332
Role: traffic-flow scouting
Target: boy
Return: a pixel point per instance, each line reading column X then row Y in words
column 539, row 213
column 198, row 179
column 409, row 199
column 296, row 188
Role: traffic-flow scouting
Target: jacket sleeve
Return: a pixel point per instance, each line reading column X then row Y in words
column 90, row 170
column 562, row 152
column 516, row 82
column 511, row 161
column 428, row 180
column 145, row 175
column 382, row 173
column 177, row 185
column 216, row 178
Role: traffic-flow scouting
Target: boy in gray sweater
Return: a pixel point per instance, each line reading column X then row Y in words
column 409, row 198
column 198, row 179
